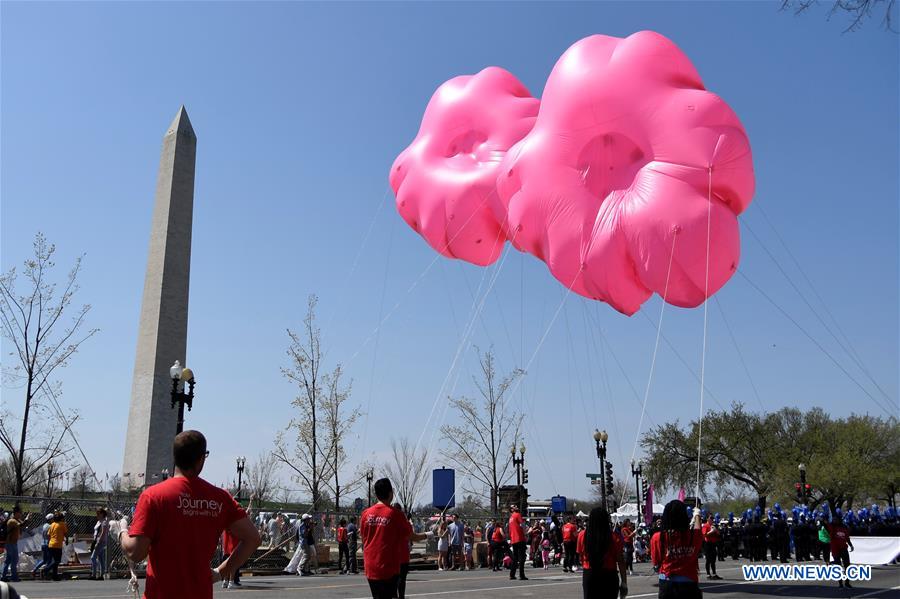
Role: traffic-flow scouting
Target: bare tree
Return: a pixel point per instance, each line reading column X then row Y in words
column 479, row 446
column 262, row 476
column 408, row 471
column 338, row 422
column 311, row 445
column 857, row 10
column 33, row 322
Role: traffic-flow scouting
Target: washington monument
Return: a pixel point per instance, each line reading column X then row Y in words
column 162, row 331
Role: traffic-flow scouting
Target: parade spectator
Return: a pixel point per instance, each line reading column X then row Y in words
column 13, row 531
column 468, row 545
column 177, row 525
column 498, row 542
column 309, row 559
column 98, row 545
column 343, row 549
column 824, row 541
column 570, row 540
column 352, row 538
column 545, row 549
column 57, row 536
column 711, row 538
column 839, row 544
column 385, row 531
column 675, row 550
column 456, row 543
column 45, row 546
column 517, row 541
column 628, row 535
column 602, row 556
column 443, row 546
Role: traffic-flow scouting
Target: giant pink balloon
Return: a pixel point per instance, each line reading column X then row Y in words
column 629, row 157
column 445, row 181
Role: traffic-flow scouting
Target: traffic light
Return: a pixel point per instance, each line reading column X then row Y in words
column 799, row 488
column 609, row 479
column 807, row 493
column 645, row 491
column 525, row 476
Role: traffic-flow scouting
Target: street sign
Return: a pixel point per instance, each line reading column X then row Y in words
column 596, row 481
column 593, row 475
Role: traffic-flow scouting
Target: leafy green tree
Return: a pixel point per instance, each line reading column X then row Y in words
column 847, row 460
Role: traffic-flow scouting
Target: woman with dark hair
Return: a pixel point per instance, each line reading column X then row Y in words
column 675, row 550
column 601, row 554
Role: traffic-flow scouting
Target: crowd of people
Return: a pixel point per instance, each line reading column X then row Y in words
column 178, row 525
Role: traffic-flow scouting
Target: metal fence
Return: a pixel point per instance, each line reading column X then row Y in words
column 80, row 518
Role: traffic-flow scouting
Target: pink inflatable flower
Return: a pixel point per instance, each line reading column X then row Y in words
column 445, row 181
column 627, row 159
column 629, row 165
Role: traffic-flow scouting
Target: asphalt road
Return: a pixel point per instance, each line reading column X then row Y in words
column 553, row 583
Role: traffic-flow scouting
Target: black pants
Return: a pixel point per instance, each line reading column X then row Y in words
column 351, row 557
column 826, row 552
column 384, row 589
column 600, row 584
column 518, row 560
column 842, row 558
column 497, row 549
column 343, row 557
column 679, row 590
column 401, row 582
column 710, row 552
column 56, row 554
column 569, row 561
column 629, row 558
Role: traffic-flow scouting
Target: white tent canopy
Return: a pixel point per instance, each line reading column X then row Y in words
column 629, row 510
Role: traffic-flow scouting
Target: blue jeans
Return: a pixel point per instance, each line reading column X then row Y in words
column 98, row 561
column 12, row 560
column 45, row 559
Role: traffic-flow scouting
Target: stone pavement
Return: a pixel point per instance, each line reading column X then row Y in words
column 551, row 583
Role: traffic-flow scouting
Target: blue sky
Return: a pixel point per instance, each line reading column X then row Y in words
column 300, row 109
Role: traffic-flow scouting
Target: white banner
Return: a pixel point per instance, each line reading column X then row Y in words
column 874, row 550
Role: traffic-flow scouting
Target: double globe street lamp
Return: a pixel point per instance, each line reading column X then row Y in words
column 181, row 375
column 241, row 463
column 600, row 438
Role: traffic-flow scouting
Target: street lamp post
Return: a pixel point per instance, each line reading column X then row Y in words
column 241, row 463
column 637, row 473
column 49, row 479
column 600, row 438
column 519, row 464
column 369, row 476
column 181, row 375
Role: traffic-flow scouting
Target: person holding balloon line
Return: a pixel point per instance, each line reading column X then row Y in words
column 602, row 554
column 675, row 551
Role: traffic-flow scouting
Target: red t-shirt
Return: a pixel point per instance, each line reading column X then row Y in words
column 610, row 559
column 497, row 535
column 628, row 535
column 515, row 529
column 384, row 531
column 569, row 531
column 710, row 533
column 681, row 551
column 840, row 538
column 341, row 534
column 183, row 518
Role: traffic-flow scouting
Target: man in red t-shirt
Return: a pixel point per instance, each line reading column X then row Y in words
column 385, row 534
column 628, row 539
column 517, row 541
column 177, row 524
column 570, row 540
column 840, row 540
column 711, row 538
